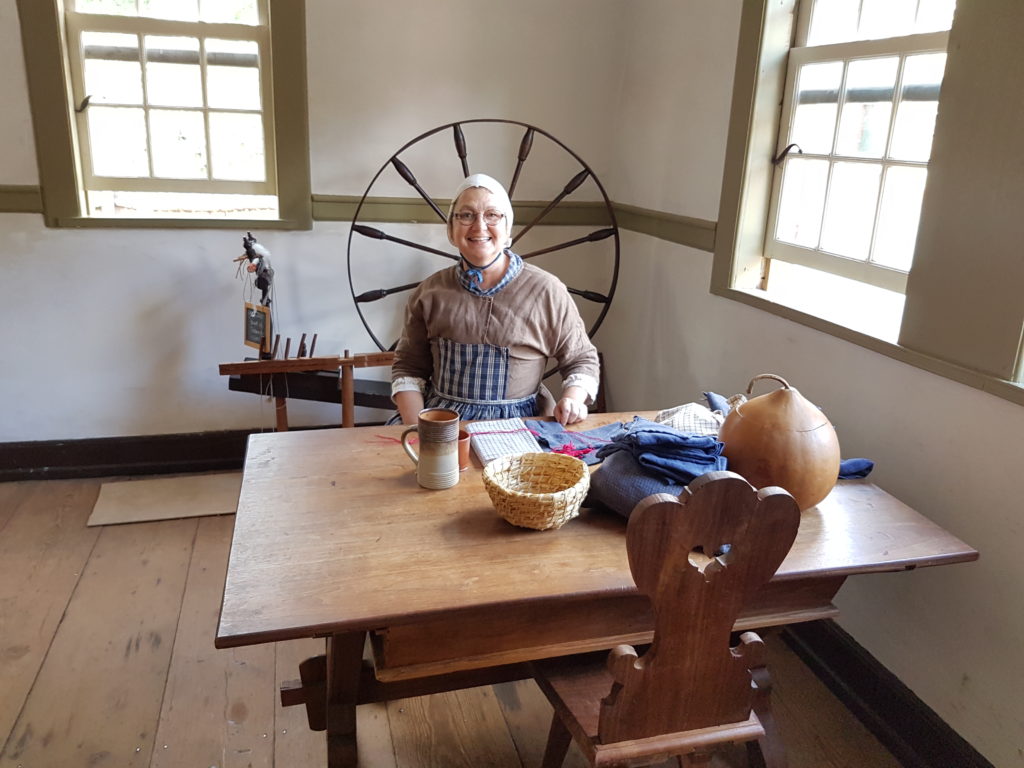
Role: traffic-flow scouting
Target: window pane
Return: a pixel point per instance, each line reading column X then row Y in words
column 840, row 21
column 864, row 124
column 850, row 212
column 898, row 216
column 229, row 11
column 934, row 15
column 886, row 18
column 814, row 123
column 232, row 74
column 182, row 10
column 915, row 117
column 112, row 7
column 179, row 144
column 802, row 200
column 173, row 78
column 833, row 21
column 117, row 141
column 113, row 74
column 236, row 144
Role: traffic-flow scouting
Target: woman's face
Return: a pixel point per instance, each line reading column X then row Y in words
column 479, row 242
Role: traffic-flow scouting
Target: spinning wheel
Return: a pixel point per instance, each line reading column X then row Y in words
column 401, row 256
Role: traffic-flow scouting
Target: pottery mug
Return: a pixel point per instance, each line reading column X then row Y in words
column 437, row 463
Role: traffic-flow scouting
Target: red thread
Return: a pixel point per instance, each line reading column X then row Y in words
column 570, row 450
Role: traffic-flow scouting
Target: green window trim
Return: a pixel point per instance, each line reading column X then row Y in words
column 44, row 43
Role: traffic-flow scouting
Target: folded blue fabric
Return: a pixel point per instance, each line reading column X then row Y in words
column 621, row 483
column 853, row 468
column 716, row 402
column 673, row 456
column 552, row 436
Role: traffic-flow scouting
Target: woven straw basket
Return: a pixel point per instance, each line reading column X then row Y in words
column 537, row 490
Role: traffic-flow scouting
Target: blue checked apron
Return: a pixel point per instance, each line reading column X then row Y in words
column 472, row 380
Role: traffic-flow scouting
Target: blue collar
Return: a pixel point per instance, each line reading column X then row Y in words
column 470, row 278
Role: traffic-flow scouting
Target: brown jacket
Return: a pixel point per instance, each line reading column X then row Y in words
column 533, row 316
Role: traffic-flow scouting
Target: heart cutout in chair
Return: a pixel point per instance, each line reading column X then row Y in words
column 708, row 566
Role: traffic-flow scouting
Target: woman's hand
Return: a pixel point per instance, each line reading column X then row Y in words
column 571, row 408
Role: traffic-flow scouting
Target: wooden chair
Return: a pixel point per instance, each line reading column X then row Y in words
column 699, row 558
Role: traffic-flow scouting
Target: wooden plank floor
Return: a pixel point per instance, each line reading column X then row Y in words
column 107, row 659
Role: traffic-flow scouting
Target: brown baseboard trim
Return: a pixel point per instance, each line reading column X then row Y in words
column 135, row 455
column 111, row 456
column 905, row 725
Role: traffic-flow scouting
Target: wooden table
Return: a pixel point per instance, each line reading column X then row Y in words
column 333, row 538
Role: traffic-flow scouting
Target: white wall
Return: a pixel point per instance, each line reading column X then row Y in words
column 17, row 160
column 383, row 73
column 120, row 332
column 671, row 120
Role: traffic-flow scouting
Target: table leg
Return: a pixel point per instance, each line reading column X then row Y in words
column 344, row 660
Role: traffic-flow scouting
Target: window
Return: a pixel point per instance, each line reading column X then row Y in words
column 960, row 314
column 188, row 110
column 850, row 160
column 862, row 93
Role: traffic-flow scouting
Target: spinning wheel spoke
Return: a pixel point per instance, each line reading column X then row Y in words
column 524, row 151
column 593, row 237
column 379, row 293
column 460, row 147
column 569, row 188
column 405, row 173
column 597, row 298
column 377, row 234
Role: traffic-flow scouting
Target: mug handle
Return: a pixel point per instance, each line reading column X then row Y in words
column 408, row 448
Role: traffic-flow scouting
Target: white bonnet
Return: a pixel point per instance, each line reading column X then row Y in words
column 493, row 186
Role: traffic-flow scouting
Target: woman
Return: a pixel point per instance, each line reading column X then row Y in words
column 478, row 335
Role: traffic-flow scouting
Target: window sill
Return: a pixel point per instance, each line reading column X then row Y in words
column 1006, row 390
column 84, row 222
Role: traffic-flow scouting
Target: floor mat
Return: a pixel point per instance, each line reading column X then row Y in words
column 166, row 498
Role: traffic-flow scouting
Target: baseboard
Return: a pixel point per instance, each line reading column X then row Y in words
column 134, row 455
column 905, row 725
column 111, row 456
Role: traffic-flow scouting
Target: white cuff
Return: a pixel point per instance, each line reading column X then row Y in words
column 408, row 384
column 586, row 382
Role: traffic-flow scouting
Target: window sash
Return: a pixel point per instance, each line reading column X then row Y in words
column 864, row 270
column 79, row 23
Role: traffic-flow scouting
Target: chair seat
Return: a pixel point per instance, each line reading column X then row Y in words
column 575, row 686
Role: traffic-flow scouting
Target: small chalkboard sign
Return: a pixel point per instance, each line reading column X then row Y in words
column 257, row 327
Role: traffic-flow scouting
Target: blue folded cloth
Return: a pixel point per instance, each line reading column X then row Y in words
column 667, row 453
column 621, row 483
column 552, row 436
column 716, row 402
column 853, row 468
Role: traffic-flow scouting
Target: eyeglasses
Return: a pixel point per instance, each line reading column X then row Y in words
column 465, row 218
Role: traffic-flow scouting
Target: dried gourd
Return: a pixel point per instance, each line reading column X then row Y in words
column 782, row 439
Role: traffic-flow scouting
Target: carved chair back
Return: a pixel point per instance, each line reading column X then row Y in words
column 700, row 559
